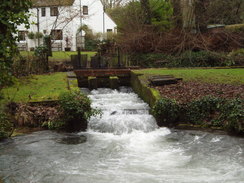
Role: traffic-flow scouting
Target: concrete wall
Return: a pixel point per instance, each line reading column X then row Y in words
column 139, row 83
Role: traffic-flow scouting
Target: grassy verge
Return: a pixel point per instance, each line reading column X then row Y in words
column 60, row 55
column 36, row 88
column 224, row 76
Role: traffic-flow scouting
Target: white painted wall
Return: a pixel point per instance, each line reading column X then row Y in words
column 69, row 21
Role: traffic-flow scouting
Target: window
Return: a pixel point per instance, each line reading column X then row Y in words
column 109, row 30
column 54, row 11
column 57, row 34
column 85, row 10
column 43, row 10
column 22, row 35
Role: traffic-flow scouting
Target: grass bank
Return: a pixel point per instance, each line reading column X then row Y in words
column 60, row 55
column 36, row 88
column 223, row 76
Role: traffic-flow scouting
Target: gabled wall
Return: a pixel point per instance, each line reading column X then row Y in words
column 69, row 21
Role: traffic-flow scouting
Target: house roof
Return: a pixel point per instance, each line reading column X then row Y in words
column 45, row 3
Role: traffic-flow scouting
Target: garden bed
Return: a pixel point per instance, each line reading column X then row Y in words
column 185, row 92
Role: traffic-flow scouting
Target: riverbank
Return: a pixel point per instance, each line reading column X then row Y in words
column 206, row 99
column 223, row 85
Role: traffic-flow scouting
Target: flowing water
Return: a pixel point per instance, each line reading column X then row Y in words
column 124, row 145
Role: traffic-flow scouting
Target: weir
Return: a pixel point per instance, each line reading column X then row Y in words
column 103, row 78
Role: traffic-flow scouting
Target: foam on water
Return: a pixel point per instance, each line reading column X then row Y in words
column 123, row 112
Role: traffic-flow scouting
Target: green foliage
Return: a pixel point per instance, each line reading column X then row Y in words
column 12, row 14
column 201, row 59
column 131, row 16
column 206, row 112
column 75, row 110
column 5, row 125
column 75, row 105
column 40, row 51
column 53, row 125
column 38, row 35
column 162, row 12
column 91, row 44
column 237, row 56
column 187, row 59
column 91, row 40
column 228, row 114
column 31, row 35
column 150, row 59
column 233, row 115
column 59, row 55
column 239, row 52
column 235, row 28
column 225, row 12
column 200, row 110
column 6, row 77
column 127, row 17
column 167, row 111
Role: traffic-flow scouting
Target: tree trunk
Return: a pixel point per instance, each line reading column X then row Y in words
column 146, row 11
column 177, row 14
column 188, row 15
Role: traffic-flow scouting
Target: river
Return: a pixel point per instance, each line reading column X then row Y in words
column 124, row 145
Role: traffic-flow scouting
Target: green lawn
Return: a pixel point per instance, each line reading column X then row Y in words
column 37, row 88
column 60, row 55
column 228, row 76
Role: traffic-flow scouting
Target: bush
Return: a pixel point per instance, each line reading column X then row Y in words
column 206, row 112
column 237, row 56
column 202, row 110
column 151, row 59
column 6, row 77
column 187, row 59
column 5, row 126
column 233, row 116
column 91, row 45
column 76, row 110
column 38, row 35
column 31, row 35
column 166, row 111
column 201, row 59
column 26, row 65
column 235, row 27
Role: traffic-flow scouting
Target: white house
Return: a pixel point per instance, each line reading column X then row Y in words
column 62, row 19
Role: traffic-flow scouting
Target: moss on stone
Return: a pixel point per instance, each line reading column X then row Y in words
column 140, row 84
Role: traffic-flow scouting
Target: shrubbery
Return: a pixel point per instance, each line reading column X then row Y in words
column 167, row 111
column 5, row 125
column 238, row 56
column 201, row 59
column 75, row 108
column 206, row 112
column 70, row 113
column 151, row 59
column 187, row 59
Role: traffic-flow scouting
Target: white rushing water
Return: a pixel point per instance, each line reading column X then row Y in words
column 124, row 145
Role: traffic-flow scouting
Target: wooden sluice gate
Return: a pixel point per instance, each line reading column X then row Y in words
column 102, row 78
column 107, row 69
